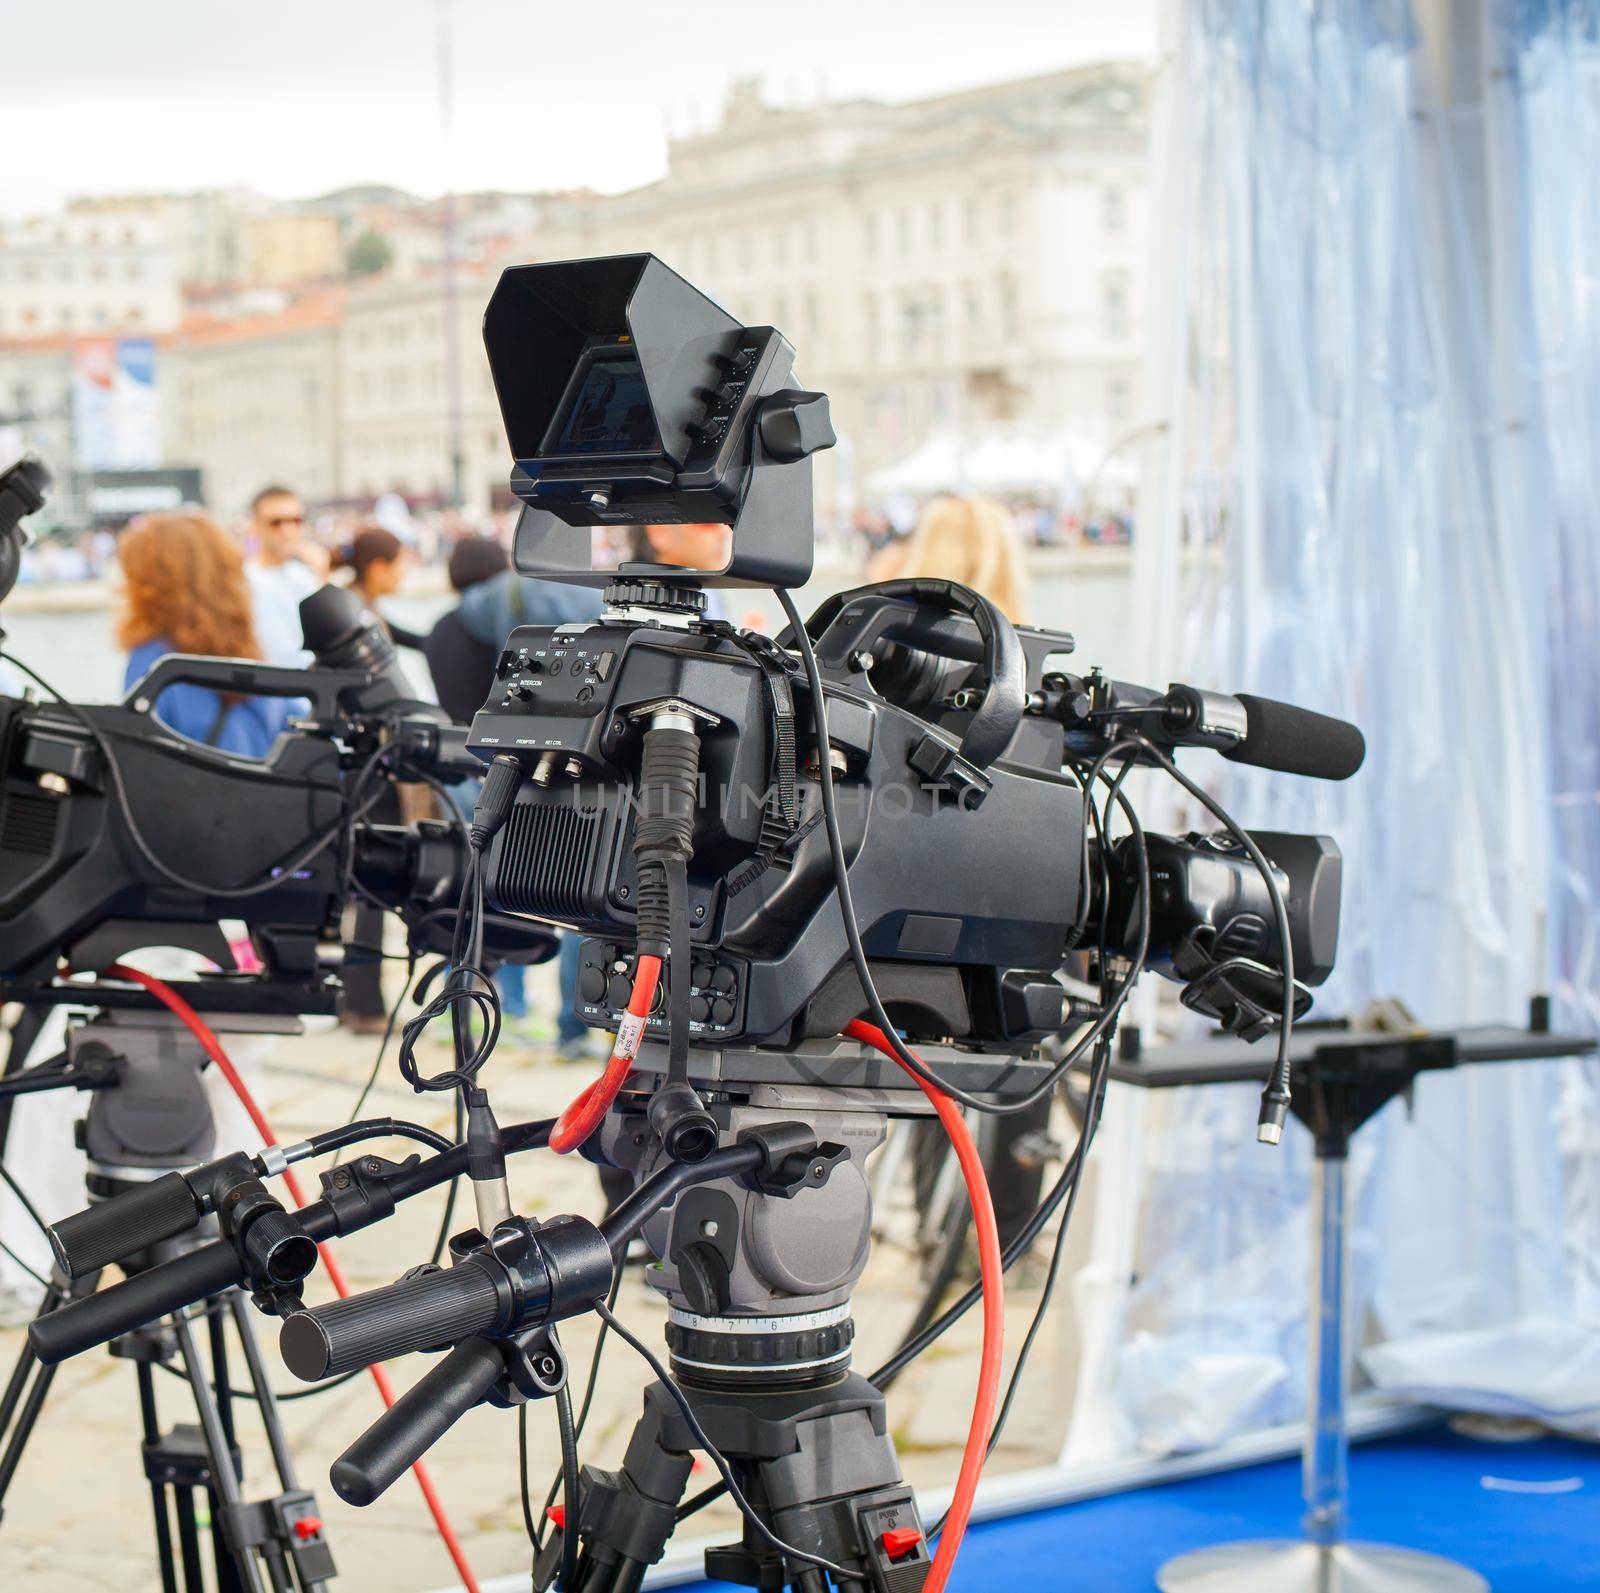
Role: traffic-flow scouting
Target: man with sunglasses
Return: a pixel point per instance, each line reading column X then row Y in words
column 285, row 565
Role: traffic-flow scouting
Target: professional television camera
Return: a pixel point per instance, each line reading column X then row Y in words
column 118, row 834
column 792, row 860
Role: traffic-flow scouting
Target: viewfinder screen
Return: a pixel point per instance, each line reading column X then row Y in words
column 609, row 409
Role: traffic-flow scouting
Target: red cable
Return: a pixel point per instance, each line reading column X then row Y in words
column 583, row 1117
column 994, row 1316
column 212, row 1046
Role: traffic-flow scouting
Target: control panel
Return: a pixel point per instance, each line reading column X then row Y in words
column 543, row 673
column 740, row 375
column 716, row 993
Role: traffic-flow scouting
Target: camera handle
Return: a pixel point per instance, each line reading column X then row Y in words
column 999, row 712
column 243, row 677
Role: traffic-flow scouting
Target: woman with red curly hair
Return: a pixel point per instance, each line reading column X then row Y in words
column 185, row 591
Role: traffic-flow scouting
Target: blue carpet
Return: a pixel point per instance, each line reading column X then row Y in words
column 1426, row 1492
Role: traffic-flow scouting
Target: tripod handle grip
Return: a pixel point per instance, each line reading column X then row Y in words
column 416, row 1421
column 82, row 1324
column 421, row 1312
column 109, row 1230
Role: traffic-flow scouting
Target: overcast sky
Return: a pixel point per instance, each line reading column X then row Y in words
column 298, row 96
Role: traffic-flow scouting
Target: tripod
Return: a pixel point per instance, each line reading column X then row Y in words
column 149, row 1115
column 815, row 1461
column 759, row 1334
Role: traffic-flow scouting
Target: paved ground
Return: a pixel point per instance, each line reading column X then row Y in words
column 77, row 1515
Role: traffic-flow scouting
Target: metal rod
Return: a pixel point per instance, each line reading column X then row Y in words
column 1325, row 1469
column 224, row 1481
column 150, row 1422
column 194, row 1579
column 282, row 1459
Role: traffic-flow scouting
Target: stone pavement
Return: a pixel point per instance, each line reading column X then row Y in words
column 78, row 1514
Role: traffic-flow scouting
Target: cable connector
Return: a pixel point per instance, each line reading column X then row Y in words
column 493, row 807
column 486, row 1160
column 1274, row 1111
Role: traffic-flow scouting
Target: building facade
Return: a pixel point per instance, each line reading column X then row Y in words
column 87, row 273
column 971, row 261
column 256, row 401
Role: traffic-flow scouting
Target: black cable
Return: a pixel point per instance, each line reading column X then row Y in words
column 715, row 1456
column 334, row 1139
column 583, row 1410
column 22, row 1199
column 383, row 1044
column 1275, row 1097
column 522, row 1479
column 678, row 970
column 852, row 928
column 38, row 1277
column 457, row 997
column 448, row 1217
column 279, row 1399
column 569, row 1483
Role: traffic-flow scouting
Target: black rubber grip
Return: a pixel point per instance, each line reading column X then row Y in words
column 133, row 1303
column 416, row 1421
column 1297, row 741
column 107, row 1231
column 419, row 1313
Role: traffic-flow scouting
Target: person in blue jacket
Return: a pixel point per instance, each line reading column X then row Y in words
column 185, row 591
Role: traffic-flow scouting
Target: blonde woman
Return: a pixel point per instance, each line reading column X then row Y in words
column 970, row 540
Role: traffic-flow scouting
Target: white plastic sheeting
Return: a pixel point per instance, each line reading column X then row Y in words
column 1383, row 441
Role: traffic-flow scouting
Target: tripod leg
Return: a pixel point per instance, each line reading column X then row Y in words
column 309, row 1556
column 226, row 1481
column 194, row 1576
column 627, row 1516
column 222, row 1389
column 43, row 1376
column 158, row 1494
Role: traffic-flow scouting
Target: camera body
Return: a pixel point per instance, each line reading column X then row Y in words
column 965, row 924
column 89, row 792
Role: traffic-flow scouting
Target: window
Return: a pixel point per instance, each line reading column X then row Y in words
column 746, row 251
column 1008, row 212
column 971, row 306
column 871, row 328
column 969, row 221
column 63, row 271
column 29, row 271
column 869, row 235
column 1010, row 309
column 98, row 271
column 102, row 316
column 133, row 315
column 780, row 246
column 1114, row 209
column 808, row 234
column 64, row 315
column 911, row 326
column 902, row 230
column 1119, row 400
column 133, row 270
column 936, row 225
column 1114, row 307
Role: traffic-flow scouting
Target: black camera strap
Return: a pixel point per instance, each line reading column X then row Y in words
column 781, row 820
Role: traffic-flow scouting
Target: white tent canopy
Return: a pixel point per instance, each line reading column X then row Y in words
column 1064, row 463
